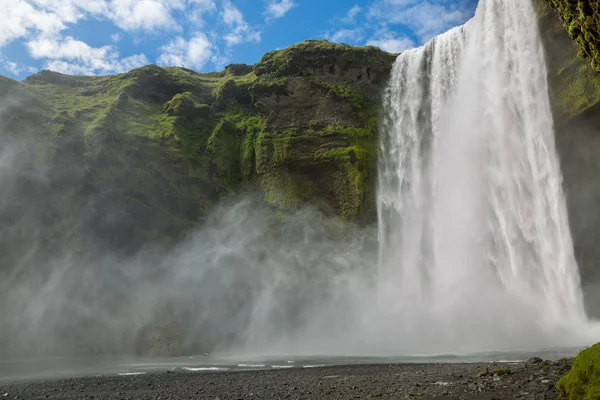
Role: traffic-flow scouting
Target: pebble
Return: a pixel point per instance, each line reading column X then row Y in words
column 363, row 381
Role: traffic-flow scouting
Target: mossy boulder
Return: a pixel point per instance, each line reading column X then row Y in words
column 502, row 371
column 583, row 381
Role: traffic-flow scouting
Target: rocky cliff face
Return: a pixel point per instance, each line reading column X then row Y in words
column 575, row 96
column 146, row 154
column 100, row 176
column 94, row 164
column 581, row 19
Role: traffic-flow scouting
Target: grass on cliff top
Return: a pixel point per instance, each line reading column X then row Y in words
column 583, row 382
column 86, row 102
column 286, row 61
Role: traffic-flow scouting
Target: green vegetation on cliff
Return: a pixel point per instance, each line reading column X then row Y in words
column 574, row 84
column 160, row 146
column 583, row 381
column 582, row 21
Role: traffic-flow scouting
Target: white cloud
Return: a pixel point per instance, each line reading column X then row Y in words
column 232, row 16
column 348, row 36
column 13, row 67
column 145, row 15
column 351, row 14
column 194, row 53
column 23, row 18
column 277, row 9
column 20, row 16
column 240, row 31
column 72, row 56
column 116, row 37
column 391, row 43
column 131, row 62
column 425, row 19
column 197, row 10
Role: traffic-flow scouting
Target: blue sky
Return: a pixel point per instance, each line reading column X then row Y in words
column 99, row 37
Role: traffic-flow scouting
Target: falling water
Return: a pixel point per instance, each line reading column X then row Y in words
column 475, row 250
column 472, row 214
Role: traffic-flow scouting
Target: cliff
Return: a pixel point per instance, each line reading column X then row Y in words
column 93, row 164
column 145, row 155
column 575, row 95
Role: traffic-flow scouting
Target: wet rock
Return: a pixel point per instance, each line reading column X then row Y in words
column 535, row 360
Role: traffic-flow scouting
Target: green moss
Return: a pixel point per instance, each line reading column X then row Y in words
column 238, row 69
column 267, row 87
column 366, row 110
column 583, row 381
column 184, row 105
column 574, row 85
column 582, row 21
column 292, row 60
column 287, row 191
column 224, row 145
column 502, row 371
column 235, row 88
column 179, row 134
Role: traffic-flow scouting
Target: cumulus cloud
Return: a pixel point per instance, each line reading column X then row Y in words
column 12, row 67
column 68, row 55
column 240, row 30
column 116, row 37
column 351, row 14
column 145, row 15
column 40, row 25
column 193, row 53
column 425, row 19
column 397, row 25
column 23, row 18
column 348, row 36
column 198, row 9
column 391, row 43
column 277, row 9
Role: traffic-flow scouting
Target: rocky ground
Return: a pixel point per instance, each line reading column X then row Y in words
column 531, row 380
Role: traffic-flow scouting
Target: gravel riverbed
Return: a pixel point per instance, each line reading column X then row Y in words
column 527, row 380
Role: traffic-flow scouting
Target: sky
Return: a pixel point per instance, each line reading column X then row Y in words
column 101, row 37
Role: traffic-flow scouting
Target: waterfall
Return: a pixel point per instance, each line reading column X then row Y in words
column 472, row 216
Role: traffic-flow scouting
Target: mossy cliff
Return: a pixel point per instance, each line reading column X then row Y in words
column 581, row 19
column 146, row 154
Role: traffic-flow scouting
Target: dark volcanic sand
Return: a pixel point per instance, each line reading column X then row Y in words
column 406, row 381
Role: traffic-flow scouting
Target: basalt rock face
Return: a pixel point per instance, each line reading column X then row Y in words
column 575, row 95
column 146, row 154
column 98, row 170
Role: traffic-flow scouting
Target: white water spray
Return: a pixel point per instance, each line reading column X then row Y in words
column 473, row 221
column 475, row 250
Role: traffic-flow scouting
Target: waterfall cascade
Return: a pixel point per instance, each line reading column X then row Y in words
column 470, row 200
column 475, row 253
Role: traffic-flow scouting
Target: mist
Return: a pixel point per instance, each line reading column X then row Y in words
column 464, row 258
column 247, row 282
